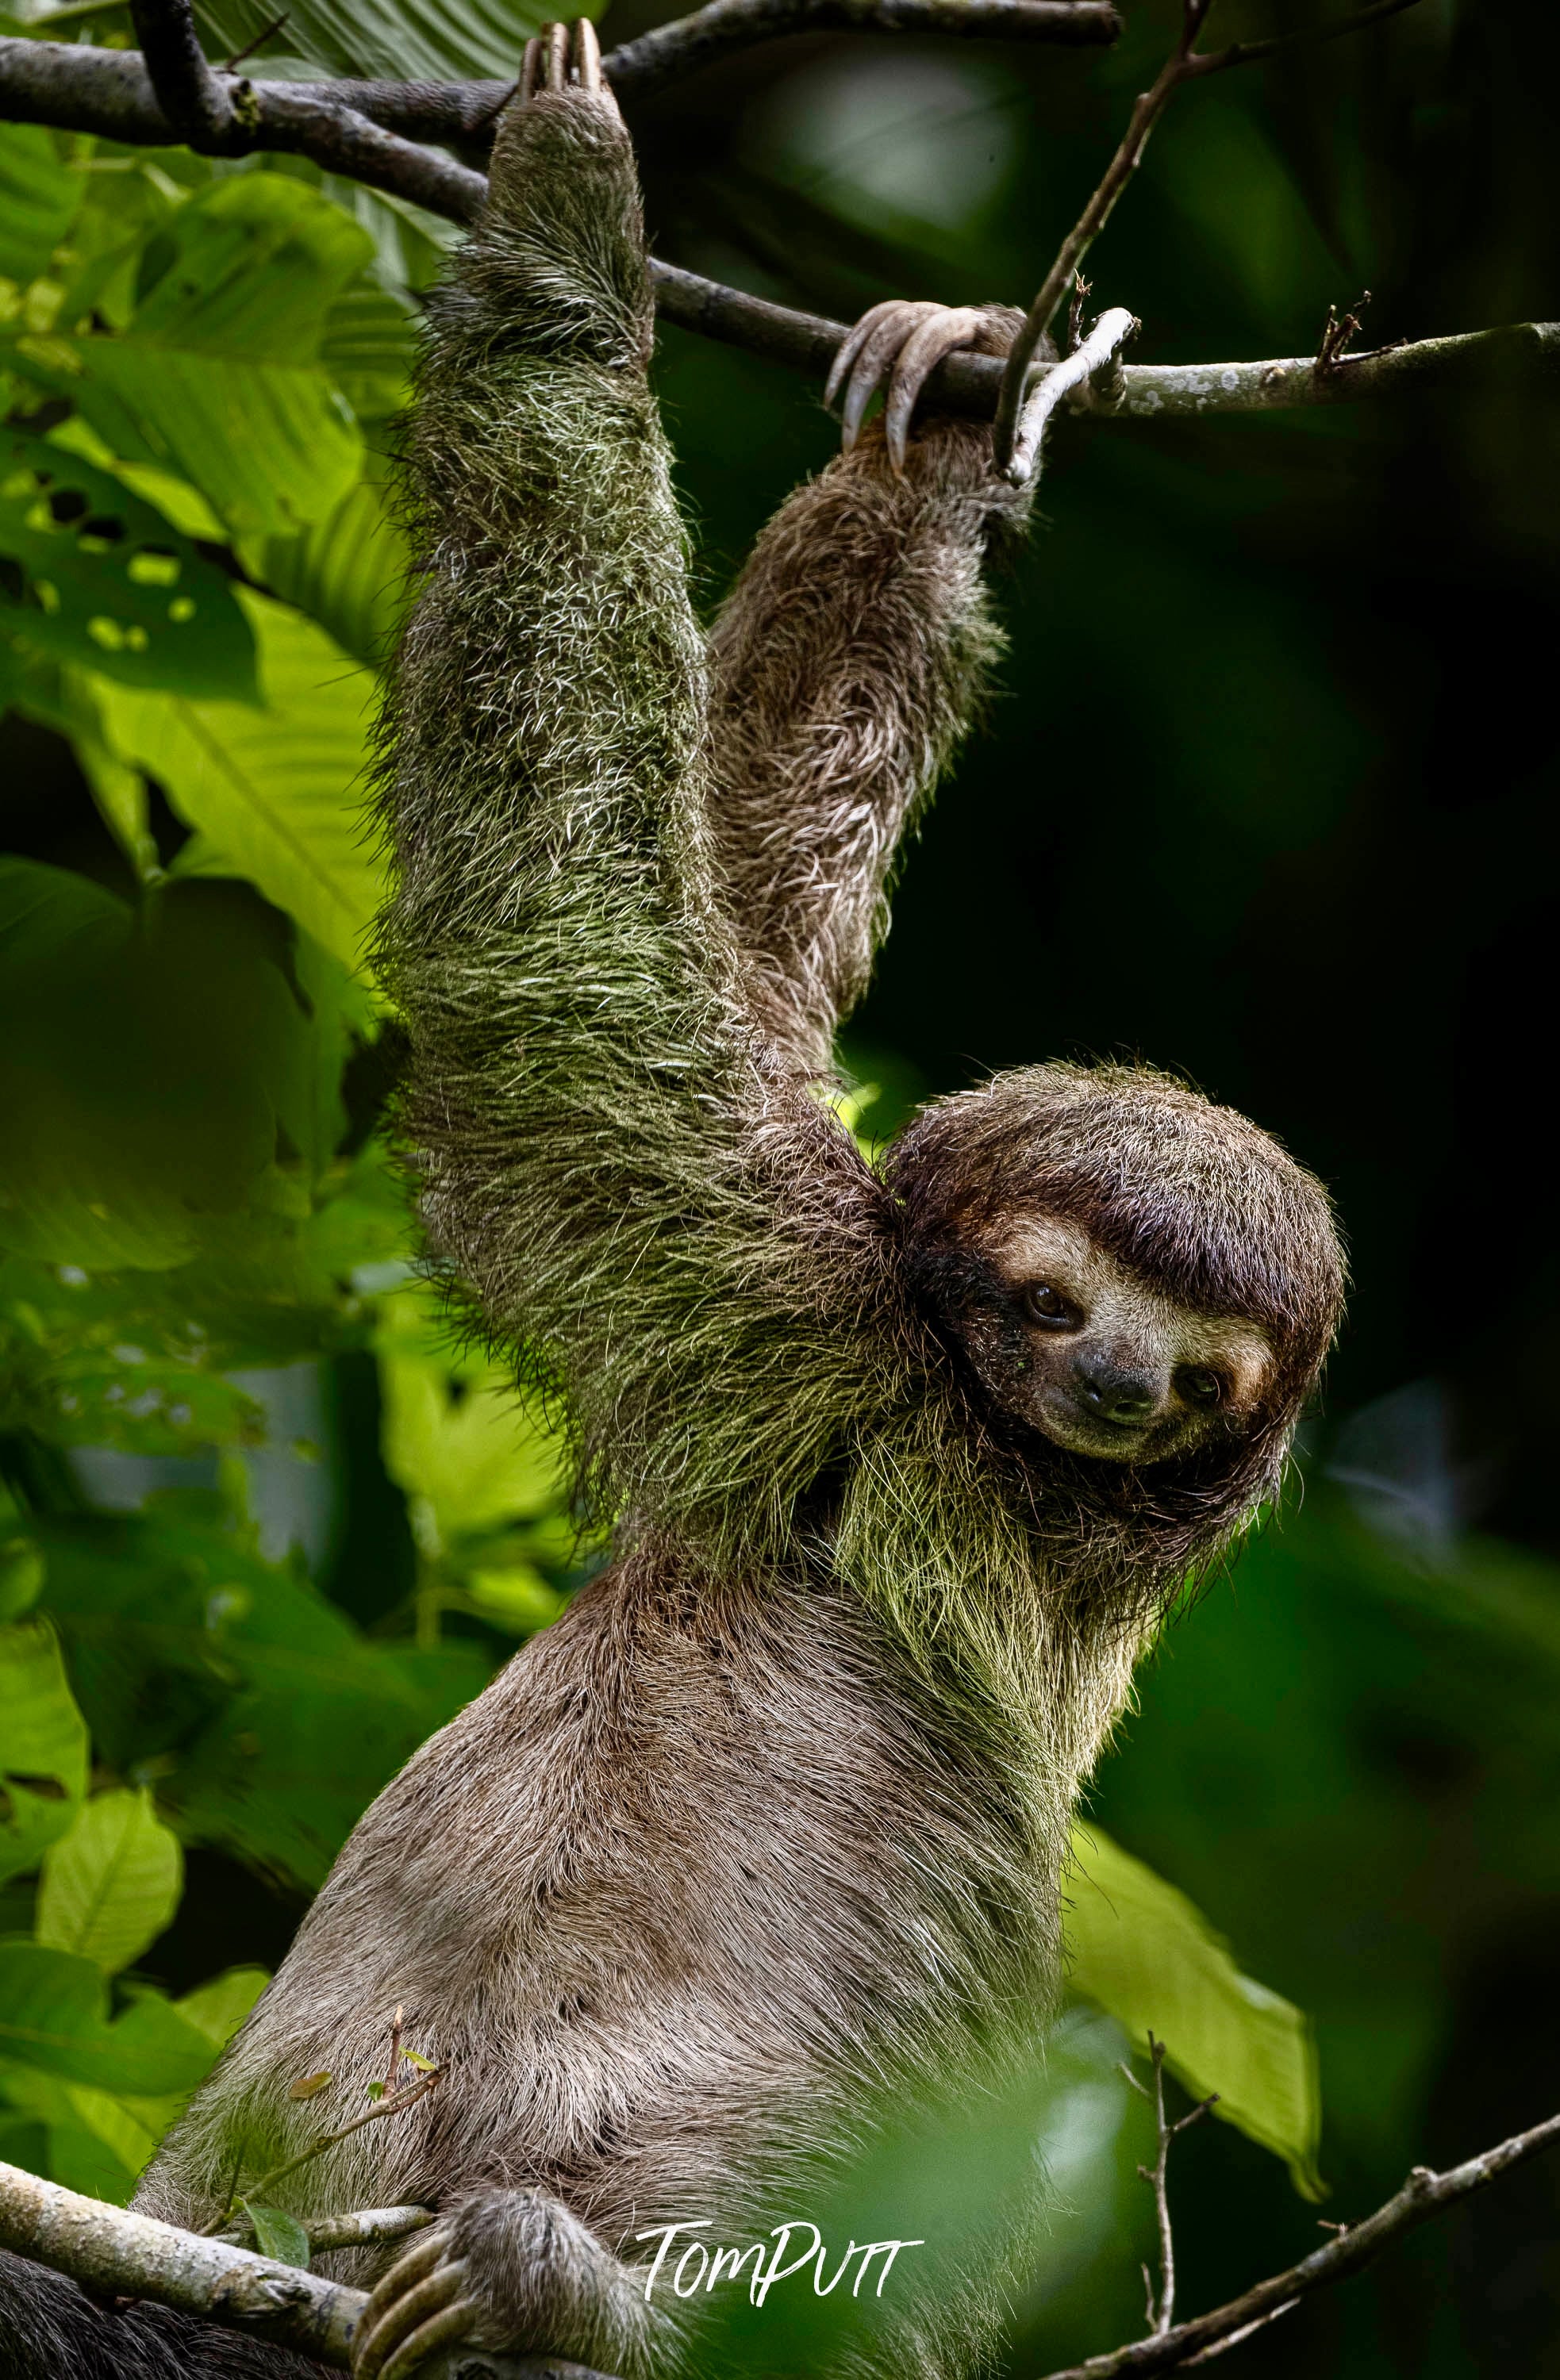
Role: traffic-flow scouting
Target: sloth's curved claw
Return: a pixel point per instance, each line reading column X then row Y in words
column 419, row 2286
column 446, row 2329
column 850, row 348
column 559, row 59
column 587, row 55
column 883, row 339
column 947, row 328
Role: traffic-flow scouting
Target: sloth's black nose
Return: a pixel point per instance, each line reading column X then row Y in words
column 1113, row 1392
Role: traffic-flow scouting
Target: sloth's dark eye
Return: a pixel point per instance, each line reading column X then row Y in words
column 1200, row 1386
column 1044, row 1304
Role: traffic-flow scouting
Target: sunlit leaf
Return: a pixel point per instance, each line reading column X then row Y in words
column 1144, row 1954
column 348, row 572
column 217, row 376
column 38, row 197
column 110, row 584
column 111, row 1885
column 54, row 2015
column 42, row 1745
column 277, row 790
column 219, row 2008
column 456, row 1433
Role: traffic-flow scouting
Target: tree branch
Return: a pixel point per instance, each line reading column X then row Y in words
column 114, row 2252
column 196, row 102
column 1424, row 2194
column 1184, row 63
column 81, row 89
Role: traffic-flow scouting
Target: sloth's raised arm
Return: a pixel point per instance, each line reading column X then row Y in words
column 846, row 665
column 688, row 1243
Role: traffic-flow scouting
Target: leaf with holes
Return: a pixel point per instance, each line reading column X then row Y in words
column 218, row 376
column 111, row 1885
column 106, row 581
column 43, row 1749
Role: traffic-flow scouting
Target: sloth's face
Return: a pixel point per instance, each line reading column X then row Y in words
column 1089, row 1353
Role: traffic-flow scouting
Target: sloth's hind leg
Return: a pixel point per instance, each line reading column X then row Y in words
column 510, row 2269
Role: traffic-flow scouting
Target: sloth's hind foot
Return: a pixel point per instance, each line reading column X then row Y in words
column 509, row 2270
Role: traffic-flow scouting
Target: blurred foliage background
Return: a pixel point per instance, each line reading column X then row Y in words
column 1264, row 795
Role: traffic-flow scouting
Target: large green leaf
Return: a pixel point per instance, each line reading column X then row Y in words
column 54, row 2015
column 348, row 572
column 42, row 1745
column 1142, row 1952
column 111, row 1885
column 278, row 791
column 38, row 198
column 273, row 1720
column 218, row 374
column 370, row 341
column 398, row 38
column 145, row 1058
column 456, row 1434
column 110, row 584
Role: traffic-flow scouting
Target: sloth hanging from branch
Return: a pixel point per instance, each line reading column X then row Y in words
column 904, row 1463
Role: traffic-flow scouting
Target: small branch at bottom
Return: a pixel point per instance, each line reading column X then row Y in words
column 1422, row 2196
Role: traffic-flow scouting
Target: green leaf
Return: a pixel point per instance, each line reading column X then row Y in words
column 278, row 2234
column 111, row 1885
column 219, row 2008
column 218, row 375
column 274, row 1721
column 368, row 346
column 42, row 1745
column 348, row 572
column 1145, row 1955
column 278, row 791
column 53, row 2017
column 384, row 37
column 145, row 1058
column 454, row 1432
column 110, row 584
column 38, row 199
column 22, row 1572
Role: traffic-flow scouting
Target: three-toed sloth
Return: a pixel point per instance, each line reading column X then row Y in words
column 904, row 1462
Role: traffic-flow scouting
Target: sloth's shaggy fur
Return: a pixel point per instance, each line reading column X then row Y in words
column 783, row 1801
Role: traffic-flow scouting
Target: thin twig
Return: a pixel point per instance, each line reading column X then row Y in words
column 1096, row 355
column 1184, row 63
column 395, row 2106
column 1161, row 2309
column 1246, row 54
column 231, row 66
column 1424, row 2194
column 369, row 2227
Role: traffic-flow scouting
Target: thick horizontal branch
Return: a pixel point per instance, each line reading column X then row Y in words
column 80, row 89
column 114, row 2251
column 1424, row 2194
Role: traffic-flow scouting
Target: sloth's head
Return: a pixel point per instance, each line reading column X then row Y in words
column 1140, row 1277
